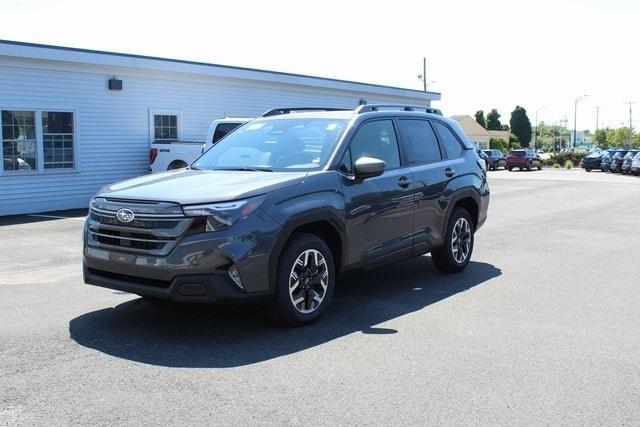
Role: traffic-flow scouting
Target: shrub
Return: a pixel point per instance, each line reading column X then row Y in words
column 556, row 165
column 563, row 158
column 568, row 164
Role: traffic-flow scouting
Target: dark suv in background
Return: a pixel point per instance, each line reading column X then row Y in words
column 497, row 159
column 625, row 168
column 281, row 206
column 616, row 161
column 605, row 161
column 524, row 159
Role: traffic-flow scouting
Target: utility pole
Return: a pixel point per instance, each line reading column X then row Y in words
column 575, row 119
column 423, row 77
column 424, row 73
column 630, row 120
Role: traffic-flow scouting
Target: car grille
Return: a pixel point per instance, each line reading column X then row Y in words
column 156, row 228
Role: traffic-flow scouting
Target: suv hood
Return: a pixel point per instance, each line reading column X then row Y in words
column 188, row 186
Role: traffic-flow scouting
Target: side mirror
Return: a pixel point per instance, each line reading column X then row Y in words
column 368, row 167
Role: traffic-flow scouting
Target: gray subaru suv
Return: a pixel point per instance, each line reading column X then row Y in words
column 277, row 209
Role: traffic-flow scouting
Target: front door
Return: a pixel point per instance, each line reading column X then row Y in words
column 379, row 210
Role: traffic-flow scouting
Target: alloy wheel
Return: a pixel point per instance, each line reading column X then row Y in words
column 461, row 240
column 308, row 281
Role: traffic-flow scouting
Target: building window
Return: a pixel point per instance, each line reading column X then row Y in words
column 165, row 127
column 57, row 140
column 19, row 145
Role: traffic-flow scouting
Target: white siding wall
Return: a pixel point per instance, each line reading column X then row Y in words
column 112, row 127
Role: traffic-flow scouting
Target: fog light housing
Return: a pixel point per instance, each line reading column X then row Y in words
column 235, row 276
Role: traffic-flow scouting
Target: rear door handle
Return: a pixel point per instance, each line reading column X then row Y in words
column 404, row 182
column 449, row 172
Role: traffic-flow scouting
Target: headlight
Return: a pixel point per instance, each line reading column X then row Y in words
column 223, row 215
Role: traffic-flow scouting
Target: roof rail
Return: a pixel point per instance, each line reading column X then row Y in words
column 376, row 107
column 287, row 110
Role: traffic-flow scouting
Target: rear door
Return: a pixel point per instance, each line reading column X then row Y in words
column 426, row 162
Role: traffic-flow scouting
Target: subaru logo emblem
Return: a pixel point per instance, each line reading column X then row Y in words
column 125, row 215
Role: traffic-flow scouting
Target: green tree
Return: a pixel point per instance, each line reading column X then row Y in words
column 480, row 118
column 499, row 144
column 600, row 138
column 521, row 126
column 493, row 120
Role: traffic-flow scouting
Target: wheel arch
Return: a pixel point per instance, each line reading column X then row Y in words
column 325, row 224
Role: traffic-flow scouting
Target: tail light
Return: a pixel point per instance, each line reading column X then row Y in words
column 153, row 153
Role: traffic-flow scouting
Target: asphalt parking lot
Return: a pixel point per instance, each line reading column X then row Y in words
column 542, row 328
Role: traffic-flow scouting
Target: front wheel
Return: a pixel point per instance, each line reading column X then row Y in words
column 588, row 170
column 305, row 280
column 458, row 246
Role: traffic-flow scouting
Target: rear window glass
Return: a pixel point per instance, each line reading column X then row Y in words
column 451, row 144
column 517, row 153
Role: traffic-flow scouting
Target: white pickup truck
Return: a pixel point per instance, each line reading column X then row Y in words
column 165, row 156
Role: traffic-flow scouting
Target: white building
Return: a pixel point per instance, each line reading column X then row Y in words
column 74, row 120
column 582, row 139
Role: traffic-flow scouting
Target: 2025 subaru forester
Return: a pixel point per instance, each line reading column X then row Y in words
column 281, row 206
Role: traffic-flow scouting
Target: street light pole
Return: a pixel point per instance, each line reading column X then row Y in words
column 575, row 119
column 424, row 73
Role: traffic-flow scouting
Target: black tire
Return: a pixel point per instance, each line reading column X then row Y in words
column 283, row 308
column 444, row 258
column 588, row 169
column 510, row 169
column 540, row 166
column 529, row 166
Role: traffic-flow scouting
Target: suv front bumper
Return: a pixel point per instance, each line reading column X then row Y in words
column 196, row 269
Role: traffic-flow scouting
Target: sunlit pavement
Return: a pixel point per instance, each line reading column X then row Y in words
column 542, row 328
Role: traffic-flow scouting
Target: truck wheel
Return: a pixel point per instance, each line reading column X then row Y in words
column 305, row 280
column 458, row 245
column 176, row 164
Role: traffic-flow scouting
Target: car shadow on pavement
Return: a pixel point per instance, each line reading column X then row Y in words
column 200, row 336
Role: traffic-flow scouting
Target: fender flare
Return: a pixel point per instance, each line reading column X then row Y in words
column 463, row 193
column 325, row 214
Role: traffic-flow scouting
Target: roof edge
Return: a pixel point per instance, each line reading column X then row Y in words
column 430, row 95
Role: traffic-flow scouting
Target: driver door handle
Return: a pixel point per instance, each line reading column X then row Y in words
column 404, row 182
column 449, row 172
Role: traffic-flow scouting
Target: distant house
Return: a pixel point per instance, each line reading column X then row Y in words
column 476, row 133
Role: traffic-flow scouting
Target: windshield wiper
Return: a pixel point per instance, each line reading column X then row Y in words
column 245, row 168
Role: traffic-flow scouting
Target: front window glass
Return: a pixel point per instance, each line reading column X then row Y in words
column 276, row 144
column 19, row 140
column 376, row 139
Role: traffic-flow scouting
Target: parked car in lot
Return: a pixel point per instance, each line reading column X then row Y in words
column 281, row 206
column 497, row 159
column 635, row 165
column 524, row 159
column 616, row 161
column 593, row 161
column 605, row 162
column 625, row 168
column 174, row 154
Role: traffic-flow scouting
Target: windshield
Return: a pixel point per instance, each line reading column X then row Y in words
column 630, row 155
column 488, row 152
column 595, row 155
column 275, row 144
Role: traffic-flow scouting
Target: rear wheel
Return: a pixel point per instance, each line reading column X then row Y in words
column 528, row 166
column 176, row 164
column 458, row 246
column 588, row 169
column 305, row 280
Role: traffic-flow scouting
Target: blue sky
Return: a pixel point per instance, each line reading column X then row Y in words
column 482, row 54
